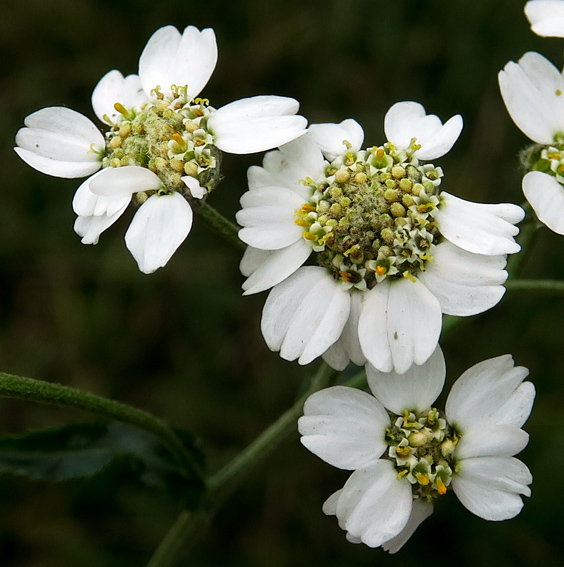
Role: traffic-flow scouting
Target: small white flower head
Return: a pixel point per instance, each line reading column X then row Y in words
column 163, row 147
column 390, row 250
column 546, row 17
column 533, row 92
column 405, row 453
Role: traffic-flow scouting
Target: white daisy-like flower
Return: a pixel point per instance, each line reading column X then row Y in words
column 163, row 145
column 392, row 252
column 533, row 92
column 405, row 453
column 546, row 17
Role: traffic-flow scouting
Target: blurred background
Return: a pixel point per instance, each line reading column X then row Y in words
column 184, row 344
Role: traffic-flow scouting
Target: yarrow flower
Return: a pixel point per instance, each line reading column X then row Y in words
column 163, row 146
column 392, row 251
column 546, row 17
column 405, row 453
column 533, row 92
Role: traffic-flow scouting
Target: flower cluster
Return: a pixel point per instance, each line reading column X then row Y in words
column 363, row 251
column 406, row 453
column 162, row 147
column 391, row 250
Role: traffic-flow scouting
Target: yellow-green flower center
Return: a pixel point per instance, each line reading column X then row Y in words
column 371, row 215
column 169, row 136
column 422, row 447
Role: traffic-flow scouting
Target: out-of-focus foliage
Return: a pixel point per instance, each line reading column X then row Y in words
column 184, row 344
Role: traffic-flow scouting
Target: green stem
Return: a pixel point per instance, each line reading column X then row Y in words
column 176, row 540
column 550, row 286
column 225, row 227
column 229, row 477
column 63, row 396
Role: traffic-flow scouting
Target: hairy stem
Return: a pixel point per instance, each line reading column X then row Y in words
column 225, row 227
column 32, row 390
column 546, row 286
column 225, row 481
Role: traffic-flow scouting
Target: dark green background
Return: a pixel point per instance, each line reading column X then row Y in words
column 184, row 344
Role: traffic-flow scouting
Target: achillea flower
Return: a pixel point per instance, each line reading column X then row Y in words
column 405, row 453
column 533, row 92
column 163, row 146
column 392, row 251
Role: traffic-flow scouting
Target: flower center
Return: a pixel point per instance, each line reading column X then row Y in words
column 422, row 447
column 169, row 136
column 371, row 215
column 546, row 158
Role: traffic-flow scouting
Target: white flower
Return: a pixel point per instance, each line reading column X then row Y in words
column 533, row 92
column 393, row 252
column 405, row 454
column 163, row 145
column 546, row 17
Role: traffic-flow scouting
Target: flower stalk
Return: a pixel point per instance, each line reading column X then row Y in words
column 28, row 389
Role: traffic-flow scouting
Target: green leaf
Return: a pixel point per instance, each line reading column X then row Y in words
column 81, row 451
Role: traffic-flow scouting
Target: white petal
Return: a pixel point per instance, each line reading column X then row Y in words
column 277, row 266
column 305, row 314
column 348, row 348
column 196, row 190
column 86, row 203
column 344, row 427
column 173, row 59
column 288, row 166
column 546, row 17
column 256, row 124
column 330, row 505
column 490, row 486
column 516, row 410
column 479, row 395
column 407, row 120
column 330, row 137
column 546, row 196
column 399, row 325
column 464, row 283
column 420, row 511
column 57, row 168
column 480, row 228
column 59, row 141
column 91, row 227
column 252, row 260
column 113, row 87
column 336, row 356
column 374, row 506
column 415, row 390
column 158, row 228
column 268, row 218
column 491, row 441
column 530, row 91
column 126, row 180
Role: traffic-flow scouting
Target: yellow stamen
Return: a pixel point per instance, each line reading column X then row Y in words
column 179, row 140
column 441, row 488
column 380, row 270
column 403, row 451
column 346, row 276
column 303, row 223
column 409, row 277
column 309, row 235
column 121, row 109
column 423, row 479
column 401, row 474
